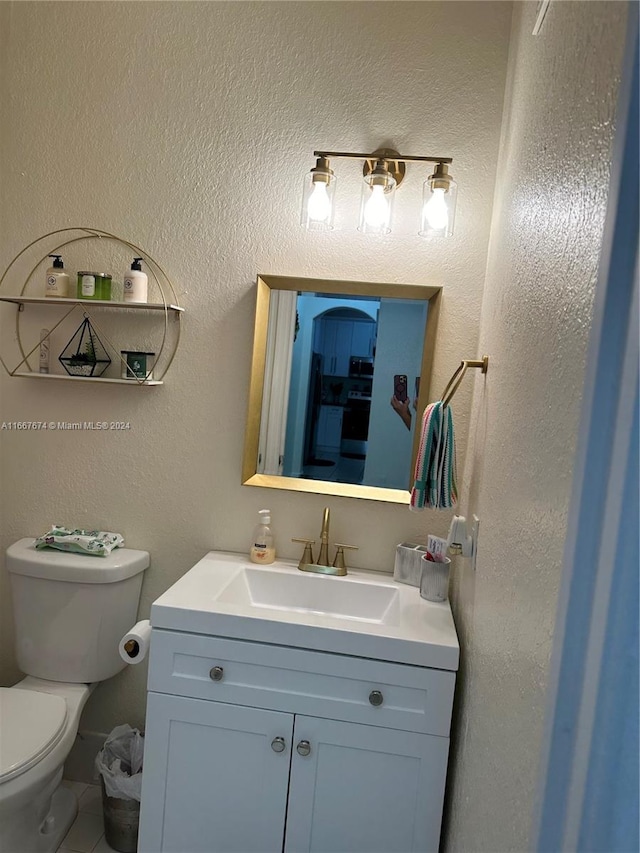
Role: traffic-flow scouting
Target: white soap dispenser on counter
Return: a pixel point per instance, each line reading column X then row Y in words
column 262, row 544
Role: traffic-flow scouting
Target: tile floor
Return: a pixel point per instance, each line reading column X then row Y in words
column 344, row 470
column 87, row 831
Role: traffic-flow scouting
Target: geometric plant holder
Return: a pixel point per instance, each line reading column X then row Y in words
column 85, row 354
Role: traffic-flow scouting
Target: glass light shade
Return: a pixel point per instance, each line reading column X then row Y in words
column 317, row 202
column 376, row 205
column 438, row 209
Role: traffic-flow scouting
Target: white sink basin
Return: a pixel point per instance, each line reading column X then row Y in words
column 366, row 614
column 343, row 598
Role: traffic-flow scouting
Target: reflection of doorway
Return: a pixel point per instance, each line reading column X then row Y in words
column 339, row 394
column 277, row 377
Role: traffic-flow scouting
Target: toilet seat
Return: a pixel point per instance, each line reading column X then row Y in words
column 32, row 724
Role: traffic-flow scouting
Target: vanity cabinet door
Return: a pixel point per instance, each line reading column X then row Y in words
column 364, row 789
column 215, row 777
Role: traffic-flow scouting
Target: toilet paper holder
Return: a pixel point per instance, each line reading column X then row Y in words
column 133, row 647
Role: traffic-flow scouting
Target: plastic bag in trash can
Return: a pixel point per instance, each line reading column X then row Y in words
column 119, row 762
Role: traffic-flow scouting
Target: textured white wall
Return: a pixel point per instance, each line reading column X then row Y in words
column 536, row 313
column 187, row 127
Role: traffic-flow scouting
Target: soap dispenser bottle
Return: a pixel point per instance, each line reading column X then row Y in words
column 135, row 283
column 262, row 545
column 57, row 282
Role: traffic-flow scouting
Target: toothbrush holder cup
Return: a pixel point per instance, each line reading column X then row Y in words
column 434, row 580
column 408, row 563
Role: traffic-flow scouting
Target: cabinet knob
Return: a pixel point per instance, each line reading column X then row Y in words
column 376, row 698
column 216, row 673
column 303, row 748
column 278, row 744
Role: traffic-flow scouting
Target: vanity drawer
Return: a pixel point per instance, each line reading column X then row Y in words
column 298, row 681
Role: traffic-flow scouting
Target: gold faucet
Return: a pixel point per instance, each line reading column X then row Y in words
column 323, row 556
column 322, row 565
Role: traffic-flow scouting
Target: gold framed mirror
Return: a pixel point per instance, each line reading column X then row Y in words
column 340, row 375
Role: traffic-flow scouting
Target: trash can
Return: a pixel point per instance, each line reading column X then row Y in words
column 119, row 764
column 121, row 819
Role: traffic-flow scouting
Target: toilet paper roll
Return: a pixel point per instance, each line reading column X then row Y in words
column 134, row 645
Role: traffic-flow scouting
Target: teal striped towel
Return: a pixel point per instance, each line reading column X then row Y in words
column 435, row 484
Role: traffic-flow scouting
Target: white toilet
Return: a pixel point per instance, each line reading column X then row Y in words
column 70, row 613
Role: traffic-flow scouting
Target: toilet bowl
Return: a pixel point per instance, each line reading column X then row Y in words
column 38, row 725
column 70, row 612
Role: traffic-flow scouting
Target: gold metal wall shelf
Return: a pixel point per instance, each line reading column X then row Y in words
column 93, row 303
column 54, row 242
column 108, row 380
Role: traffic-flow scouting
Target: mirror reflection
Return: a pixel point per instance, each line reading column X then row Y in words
column 344, row 368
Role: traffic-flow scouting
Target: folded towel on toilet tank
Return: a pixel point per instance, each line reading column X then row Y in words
column 100, row 543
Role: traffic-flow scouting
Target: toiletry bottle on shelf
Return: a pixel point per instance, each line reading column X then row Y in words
column 135, row 283
column 57, row 282
column 262, row 545
column 44, row 351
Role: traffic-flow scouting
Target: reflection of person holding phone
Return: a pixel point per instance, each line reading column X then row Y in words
column 400, row 399
column 403, row 409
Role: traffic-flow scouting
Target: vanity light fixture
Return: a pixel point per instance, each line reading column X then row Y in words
column 317, row 200
column 438, row 203
column 376, row 204
column 383, row 172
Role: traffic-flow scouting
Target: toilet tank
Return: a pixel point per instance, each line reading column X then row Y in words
column 72, row 610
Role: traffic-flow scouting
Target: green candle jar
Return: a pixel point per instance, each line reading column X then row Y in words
column 137, row 365
column 105, row 287
column 94, row 285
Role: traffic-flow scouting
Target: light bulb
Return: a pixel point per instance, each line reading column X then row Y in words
column 317, row 197
column 319, row 204
column 376, row 210
column 435, row 211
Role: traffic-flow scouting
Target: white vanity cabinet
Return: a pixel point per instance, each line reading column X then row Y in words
column 266, row 748
column 212, row 780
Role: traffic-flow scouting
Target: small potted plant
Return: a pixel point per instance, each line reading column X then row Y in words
column 85, row 354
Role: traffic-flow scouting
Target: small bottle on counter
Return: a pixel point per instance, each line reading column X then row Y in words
column 135, row 287
column 263, row 548
column 57, row 283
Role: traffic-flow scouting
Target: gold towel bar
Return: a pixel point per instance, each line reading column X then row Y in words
column 456, row 379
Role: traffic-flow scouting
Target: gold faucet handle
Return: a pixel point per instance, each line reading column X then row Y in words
column 307, row 556
column 338, row 562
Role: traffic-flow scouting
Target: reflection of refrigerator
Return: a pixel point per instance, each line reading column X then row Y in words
column 314, row 400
